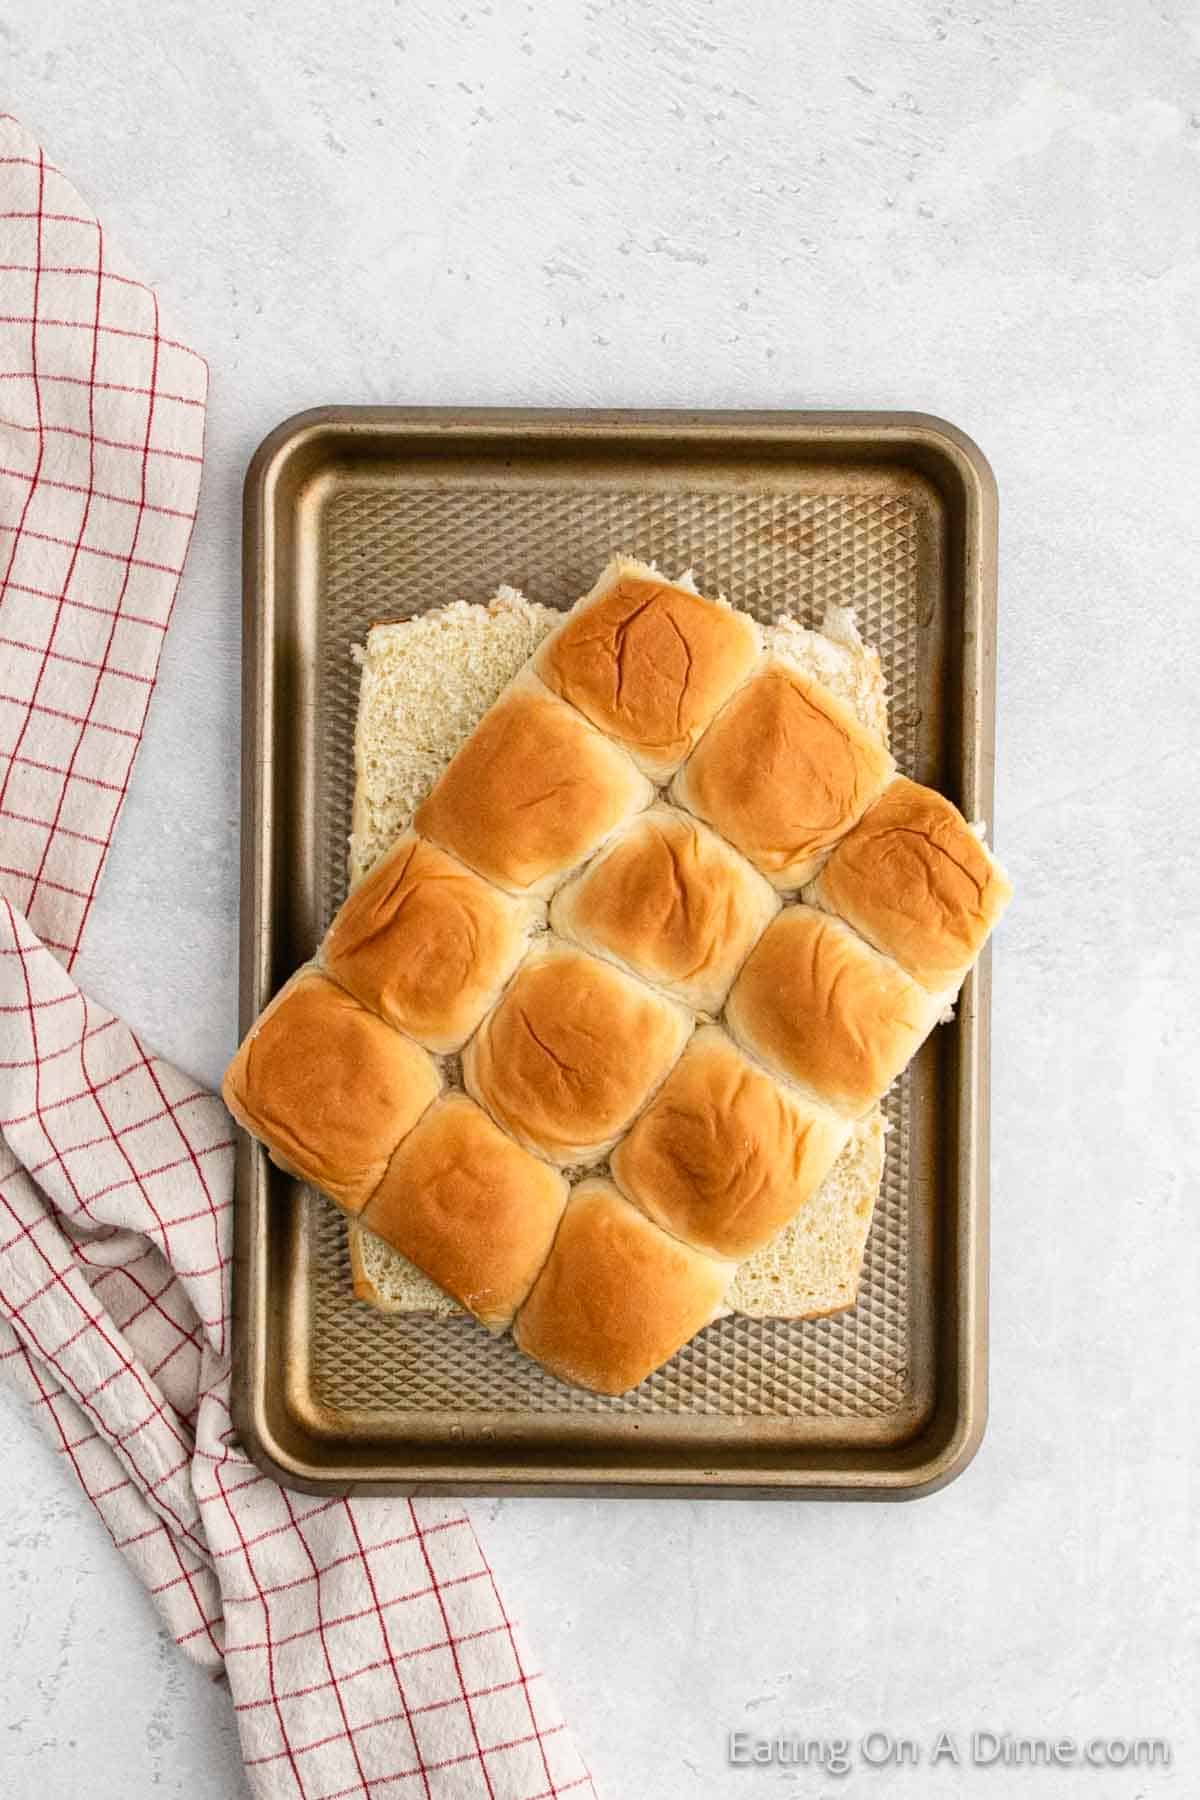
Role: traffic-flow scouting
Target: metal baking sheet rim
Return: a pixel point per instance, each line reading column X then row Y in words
column 943, row 1446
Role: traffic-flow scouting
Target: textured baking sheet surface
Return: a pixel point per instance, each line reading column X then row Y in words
column 387, row 551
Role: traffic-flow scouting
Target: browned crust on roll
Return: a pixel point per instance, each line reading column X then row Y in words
column 571, row 1053
column 818, row 1004
column 672, row 900
column 426, row 943
column 783, row 773
column 471, row 1208
column 328, row 1088
column 919, row 885
column 649, row 662
column 617, row 1297
column 533, row 790
column 723, row 1157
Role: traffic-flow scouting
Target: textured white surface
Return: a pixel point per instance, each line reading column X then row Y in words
column 987, row 211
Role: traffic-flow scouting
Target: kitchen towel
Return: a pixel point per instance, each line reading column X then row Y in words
column 365, row 1642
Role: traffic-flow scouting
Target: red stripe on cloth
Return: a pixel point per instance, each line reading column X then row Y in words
column 432, row 1586
column 267, row 1644
column 396, row 1656
column 33, row 363
column 72, row 487
column 524, row 1679
column 83, row 522
column 100, row 387
column 350, row 1736
column 104, row 612
column 86, row 1401
column 77, row 662
column 133, row 562
column 77, row 324
column 406, row 1712
column 58, row 712
column 107, row 443
column 453, row 1653
column 391, row 1543
column 430, row 1706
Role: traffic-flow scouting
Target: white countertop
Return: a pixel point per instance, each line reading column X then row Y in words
column 989, row 211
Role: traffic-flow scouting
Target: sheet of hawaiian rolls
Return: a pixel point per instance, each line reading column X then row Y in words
column 649, row 661
column 723, row 1156
column 582, row 1044
column 328, row 1087
column 617, row 1297
column 818, row 1005
column 426, row 683
column 783, row 772
column 428, row 944
column 533, row 791
column 472, row 1208
column 670, row 899
column 918, row 883
column 572, row 1052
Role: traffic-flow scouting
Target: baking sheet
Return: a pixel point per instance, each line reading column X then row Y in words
column 353, row 514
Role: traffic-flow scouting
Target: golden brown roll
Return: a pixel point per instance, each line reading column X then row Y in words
column 671, row 899
column 533, row 791
column 916, row 881
column 783, row 773
column 818, row 1004
column 617, row 1296
column 723, row 1157
column 648, row 661
column 328, row 1088
column 427, row 944
column 474, row 1210
column 572, row 1052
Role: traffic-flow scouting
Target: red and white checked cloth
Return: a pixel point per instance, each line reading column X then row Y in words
column 366, row 1646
